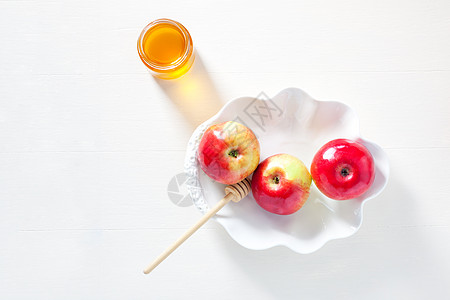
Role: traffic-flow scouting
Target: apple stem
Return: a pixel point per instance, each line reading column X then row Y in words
column 233, row 153
column 276, row 180
column 345, row 172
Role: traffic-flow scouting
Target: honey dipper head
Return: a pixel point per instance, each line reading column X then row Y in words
column 239, row 190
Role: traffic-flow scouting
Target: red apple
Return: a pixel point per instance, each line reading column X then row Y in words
column 228, row 152
column 281, row 184
column 343, row 169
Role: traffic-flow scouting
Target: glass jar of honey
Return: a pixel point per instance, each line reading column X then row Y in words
column 165, row 47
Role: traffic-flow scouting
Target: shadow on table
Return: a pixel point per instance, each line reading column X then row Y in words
column 194, row 93
column 389, row 255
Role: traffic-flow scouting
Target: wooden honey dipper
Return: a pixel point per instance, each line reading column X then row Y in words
column 234, row 192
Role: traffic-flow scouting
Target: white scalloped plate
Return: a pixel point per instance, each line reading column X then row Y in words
column 291, row 122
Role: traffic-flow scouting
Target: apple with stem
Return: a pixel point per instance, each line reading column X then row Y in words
column 343, row 169
column 228, row 152
column 281, row 184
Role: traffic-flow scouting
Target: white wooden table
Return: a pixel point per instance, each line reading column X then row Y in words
column 89, row 142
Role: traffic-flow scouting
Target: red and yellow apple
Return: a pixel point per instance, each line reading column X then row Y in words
column 281, row 184
column 343, row 169
column 228, row 152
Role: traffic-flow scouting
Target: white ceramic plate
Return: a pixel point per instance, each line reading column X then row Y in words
column 291, row 122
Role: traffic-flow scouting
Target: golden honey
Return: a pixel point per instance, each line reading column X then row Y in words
column 165, row 47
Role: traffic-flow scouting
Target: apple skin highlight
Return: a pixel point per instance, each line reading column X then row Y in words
column 343, row 169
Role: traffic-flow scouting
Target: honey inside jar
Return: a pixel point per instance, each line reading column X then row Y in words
column 165, row 47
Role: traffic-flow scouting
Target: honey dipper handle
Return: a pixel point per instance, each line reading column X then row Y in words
column 187, row 234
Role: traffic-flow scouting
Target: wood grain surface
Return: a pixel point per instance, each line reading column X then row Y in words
column 89, row 142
